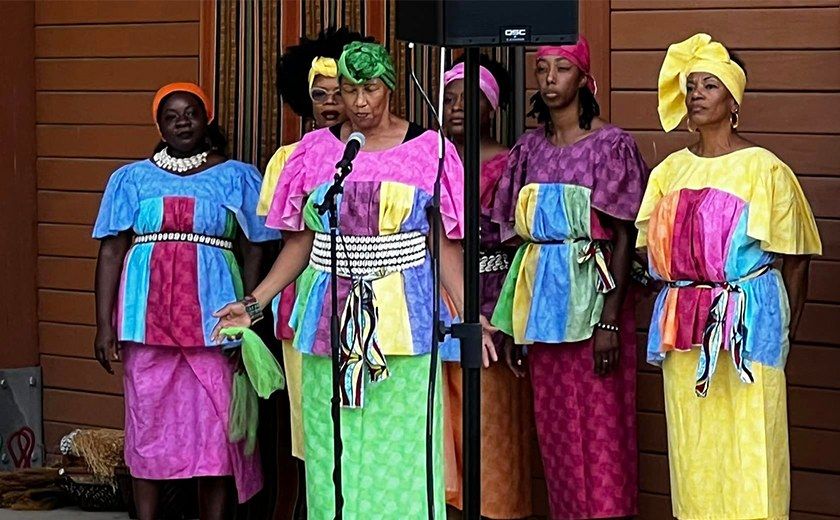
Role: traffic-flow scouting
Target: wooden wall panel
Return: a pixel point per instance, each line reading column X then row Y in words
column 99, row 141
column 18, row 251
column 70, row 174
column 124, row 40
column 802, row 70
column 85, row 408
column 66, row 240
column 812, row 365
column 113, row 74
column 98, row 64
column 116, row 108
column 618, row 5
column 66, row 307
column 55, row 12
column 810, row 154
column 792, row 53
column 74, row 274
column 67, row 207
column 782, row 112
column 64, row 339
column 783, row 29
column 86, row 375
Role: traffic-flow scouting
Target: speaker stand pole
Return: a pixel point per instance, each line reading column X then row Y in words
column 471, row 345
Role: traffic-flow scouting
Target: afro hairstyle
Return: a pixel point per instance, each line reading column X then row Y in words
column 294, row 64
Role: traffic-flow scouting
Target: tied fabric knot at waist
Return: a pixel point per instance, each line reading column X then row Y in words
column 593, row 250
column 714, row 333
column 364, row 259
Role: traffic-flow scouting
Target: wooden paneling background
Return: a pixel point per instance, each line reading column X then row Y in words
column 93, row 93
column 792, row 54
column 97, row 66
column 18, row 251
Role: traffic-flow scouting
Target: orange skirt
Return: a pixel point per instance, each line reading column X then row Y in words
column 507, row 433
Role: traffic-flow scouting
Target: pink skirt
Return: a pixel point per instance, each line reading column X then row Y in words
column 176, row 417
column 586, row 427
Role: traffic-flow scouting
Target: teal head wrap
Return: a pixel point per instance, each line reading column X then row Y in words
column 364, row 61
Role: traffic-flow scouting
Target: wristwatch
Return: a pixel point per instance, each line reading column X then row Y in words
column 253, row 308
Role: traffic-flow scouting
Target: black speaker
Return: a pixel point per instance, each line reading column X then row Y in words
column 470, row 23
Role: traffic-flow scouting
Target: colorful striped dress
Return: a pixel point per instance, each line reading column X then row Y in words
column 177, row 381
column 281, row 307
column 386, row 197
column 713, row 228
column 507, row 423
column 553, row 198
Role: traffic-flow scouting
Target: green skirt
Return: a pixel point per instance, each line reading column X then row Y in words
column 384, row 459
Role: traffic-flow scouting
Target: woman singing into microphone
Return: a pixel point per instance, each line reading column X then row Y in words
column 385, row 288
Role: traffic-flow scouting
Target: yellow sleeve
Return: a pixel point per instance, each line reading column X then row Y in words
column 272, row 175
column 653, row 194
column 780, row 216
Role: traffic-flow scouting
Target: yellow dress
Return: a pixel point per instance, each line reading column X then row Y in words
column 722, row 344
column 291, row 356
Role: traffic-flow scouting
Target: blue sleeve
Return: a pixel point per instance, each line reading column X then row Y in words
column 246, row 213
column 119, row 206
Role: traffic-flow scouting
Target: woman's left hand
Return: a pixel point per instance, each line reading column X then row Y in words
column 231, row 315
column 488, row 350
column 606, row 351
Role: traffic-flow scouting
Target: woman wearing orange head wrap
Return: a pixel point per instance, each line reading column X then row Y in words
column 715, row 218
column 168, row 227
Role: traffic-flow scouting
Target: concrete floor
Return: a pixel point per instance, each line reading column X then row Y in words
column 60, row 514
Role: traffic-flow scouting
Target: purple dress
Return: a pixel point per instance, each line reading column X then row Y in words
column 586, row 424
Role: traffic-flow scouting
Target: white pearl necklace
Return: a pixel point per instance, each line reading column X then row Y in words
column 176, row 164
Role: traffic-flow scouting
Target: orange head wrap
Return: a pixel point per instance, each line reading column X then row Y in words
column 191, row 88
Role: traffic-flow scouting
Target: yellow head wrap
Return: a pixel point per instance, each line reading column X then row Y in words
column 324, row 67
column 696, row 54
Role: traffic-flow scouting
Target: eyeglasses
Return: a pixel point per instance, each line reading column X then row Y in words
column 320, row 96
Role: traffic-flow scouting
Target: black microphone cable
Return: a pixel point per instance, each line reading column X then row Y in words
column 440, row 330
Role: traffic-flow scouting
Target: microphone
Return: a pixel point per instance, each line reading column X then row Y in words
column 354, row 143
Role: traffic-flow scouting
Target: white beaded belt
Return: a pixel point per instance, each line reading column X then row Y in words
column 361, row 256
column 194, row 238
column 493, row 261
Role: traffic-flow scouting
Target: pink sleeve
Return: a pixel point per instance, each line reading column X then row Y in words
column 452, row 193
column 286, row 210
column 504, row 203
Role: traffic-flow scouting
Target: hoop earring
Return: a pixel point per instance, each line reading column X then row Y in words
column 688, row 125
column 735, row 119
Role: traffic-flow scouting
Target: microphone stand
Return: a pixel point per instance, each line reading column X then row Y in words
column 330, row 206
column 469, row 331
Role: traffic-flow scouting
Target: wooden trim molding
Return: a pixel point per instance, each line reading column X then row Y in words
column 594, row 23
column 207, row 47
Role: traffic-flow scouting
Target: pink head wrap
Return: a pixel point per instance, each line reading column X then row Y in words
column 578, row 54
column 486, row 82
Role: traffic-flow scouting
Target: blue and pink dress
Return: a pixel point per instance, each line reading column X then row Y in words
column 180, row 269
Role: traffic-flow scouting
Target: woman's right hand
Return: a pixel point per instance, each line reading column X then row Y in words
column 231, row 315
column 105, row 348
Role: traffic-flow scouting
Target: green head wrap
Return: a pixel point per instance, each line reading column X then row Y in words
column 364, row 61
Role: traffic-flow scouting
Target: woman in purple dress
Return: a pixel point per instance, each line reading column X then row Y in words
column 571, row 193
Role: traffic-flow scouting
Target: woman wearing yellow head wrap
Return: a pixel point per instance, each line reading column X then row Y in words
column 715, row 218
column 308, row 83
